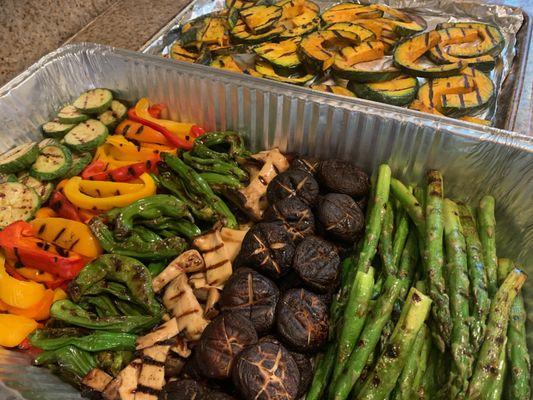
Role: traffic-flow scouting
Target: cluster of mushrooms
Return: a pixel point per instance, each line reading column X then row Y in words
column 251, row 328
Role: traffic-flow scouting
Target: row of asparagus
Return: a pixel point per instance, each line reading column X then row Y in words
column 426, row 309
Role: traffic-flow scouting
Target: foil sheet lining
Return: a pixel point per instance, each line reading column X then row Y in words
column 474, row 160
column 508, row 19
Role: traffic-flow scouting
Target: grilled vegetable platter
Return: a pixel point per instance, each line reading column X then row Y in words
column 144, row 258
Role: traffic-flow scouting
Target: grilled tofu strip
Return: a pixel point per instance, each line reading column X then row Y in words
column 95, row 382
column 152, row 377
column 124, row 385
column 189, row 261
column 232, row 239
column 217, row 263
column 163, row 332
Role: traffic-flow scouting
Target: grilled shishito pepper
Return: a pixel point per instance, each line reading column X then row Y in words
column 203, row 146
column 20, row 246
column 135, row 246
column 132, row 273
column 53, row 339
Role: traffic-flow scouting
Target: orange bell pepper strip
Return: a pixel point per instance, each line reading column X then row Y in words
column 45, row 212
column 38, row 312
column 138, row 132
column 20, row 246
column 35, row 275
column 14, row 329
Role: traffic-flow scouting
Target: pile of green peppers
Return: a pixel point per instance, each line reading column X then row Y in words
column 207, row 173
column 110, row 302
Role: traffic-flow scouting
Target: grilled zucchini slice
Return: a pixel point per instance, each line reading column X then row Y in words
column 318, row 49
column 408, row 52
column 79, row 162
column 299, row 17
column 94, row 101
column 334, row 89
column 464, row 94
column 55, row 129
column 18, row 158
column 242, row 34
column 261, row 18
column 265, row 70
column 114, row 115
column 349, row 12
column 449, row 36
column 18, row 203
column 43, row 189
column 71, row 115
column 282, row 55
column 399, row 91
column 490, row 40
column 178, row 52
column 53, row 162
column 226, row 62
column 87, row 135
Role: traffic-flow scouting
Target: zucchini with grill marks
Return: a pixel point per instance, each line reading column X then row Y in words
column 55, row 129
column 349, row 12
column 94, row 101
column 71, row 115
column 43, row 189
column 408, row 52
column 79, row 162
column 449, row 36
column 17, row 203
column 318, row 49
column 399, row 91
column 8, row 178
column 457, row 95
column 86, row 136
column 226, row 62
column 242, row 34
column 490, row 40
column 114, row 115
column 334, row 89
column 265, row 70
column 18, row 158
column 282, row 55
column 262, row 18
column 53, row 162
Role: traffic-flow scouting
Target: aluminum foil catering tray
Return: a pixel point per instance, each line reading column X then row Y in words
column 508, row 75
column 474, row 161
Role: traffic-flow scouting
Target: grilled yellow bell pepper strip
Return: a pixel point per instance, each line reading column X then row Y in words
column 59, row 294
column 124, row 150
column 68, row 234
column 45, row 212
column 107, row 188
column 16, row 293
column 35, row 275
column 38, row 312
column 102, row 154
column 180, row 129
column 75, row 195
column 14, row 329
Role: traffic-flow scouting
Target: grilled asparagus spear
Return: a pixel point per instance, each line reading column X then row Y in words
column 385, row 240
column 487, row 235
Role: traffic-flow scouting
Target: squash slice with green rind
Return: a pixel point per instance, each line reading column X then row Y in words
column 227, row 63
column 399, row 91
column 333, row 89
column 264, row 69
column 260, row 19
column 299, row 17
column 282, row 55
column 491, row 40
column 349, row 12
column 403, row 23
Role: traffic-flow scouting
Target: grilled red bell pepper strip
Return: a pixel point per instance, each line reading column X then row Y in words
column 63, row 207
column 197, row 131
column 20, row 246
column 155, row 110
column 173, row 139
column 95, row 171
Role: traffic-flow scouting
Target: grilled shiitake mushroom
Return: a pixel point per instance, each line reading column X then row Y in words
column 343, row 177
column 266, row 371
column 268, row 248
column 340, row 216
column 293, row 183
column 309, row 165
column 253, row 296
column 302, row 320
column 306, row 371
column 317, row 263
column 222, row 340
column 295, row 215
column 215, row 395
column 184, row 389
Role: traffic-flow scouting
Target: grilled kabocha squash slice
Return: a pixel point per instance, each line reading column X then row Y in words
column 363, row 33
column 265, row 70
column 352, row 63
column 399, row 91
column 226, row 62
column 490, row 42
column 402, row 23
column 261, row 18
column 450, row 36
column 420, row 106
column 205, row 31
column 349, row 12
column 282, row 55
column 299, row 17
column 335, row 89
column 408, row 52
column 317, row 50
column 457, row 95
column 178, row 52
column 474, row 120
column 240, row 33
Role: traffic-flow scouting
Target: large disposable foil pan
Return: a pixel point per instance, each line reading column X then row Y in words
column 474, row 161
column 508, row 75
